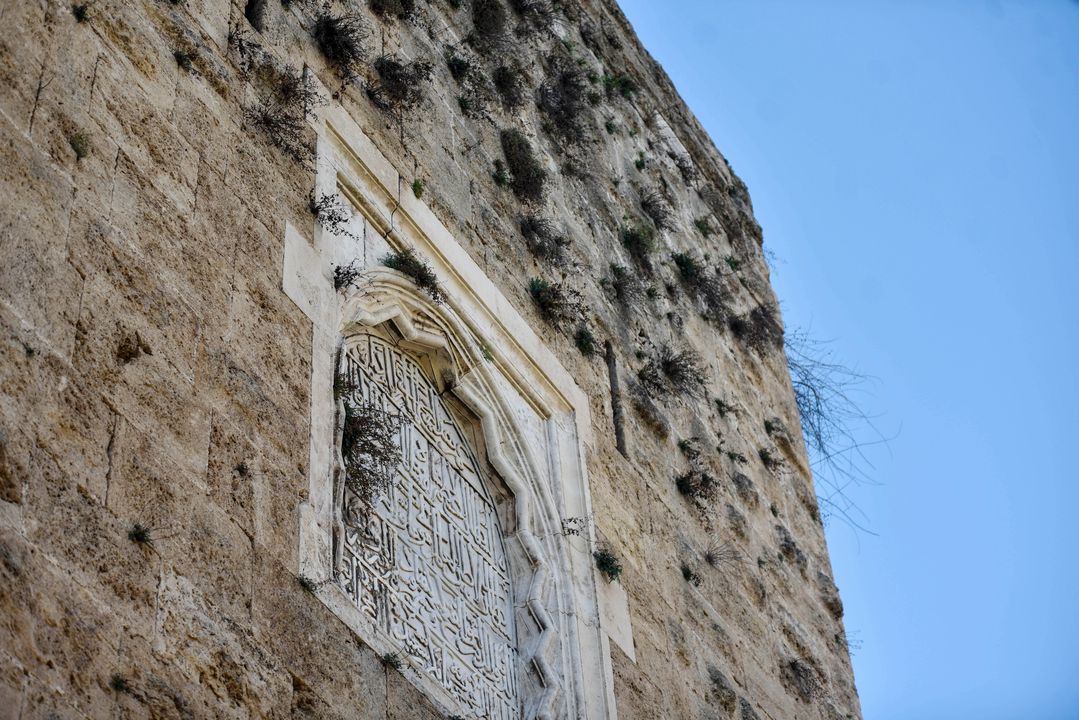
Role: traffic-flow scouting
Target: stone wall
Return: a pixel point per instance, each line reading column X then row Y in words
column 155, row 374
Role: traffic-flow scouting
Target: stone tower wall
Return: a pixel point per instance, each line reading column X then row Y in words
column 154, row 373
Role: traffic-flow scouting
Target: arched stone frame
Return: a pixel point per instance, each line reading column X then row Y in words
column 387, row 298
column 535, row 421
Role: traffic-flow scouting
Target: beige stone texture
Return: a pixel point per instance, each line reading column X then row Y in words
column 153, row 371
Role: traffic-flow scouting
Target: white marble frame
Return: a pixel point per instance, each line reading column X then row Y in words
column 548, row 480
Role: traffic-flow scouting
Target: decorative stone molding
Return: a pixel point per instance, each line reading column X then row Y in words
column 532, row 424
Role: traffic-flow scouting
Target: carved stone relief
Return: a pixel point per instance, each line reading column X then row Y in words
column 424, row 561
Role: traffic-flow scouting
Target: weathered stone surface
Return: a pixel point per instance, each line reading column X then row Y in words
column 153, row 371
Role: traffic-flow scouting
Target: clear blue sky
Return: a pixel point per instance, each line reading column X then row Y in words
column 915, row 166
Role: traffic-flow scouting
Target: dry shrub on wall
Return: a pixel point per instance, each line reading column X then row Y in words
column 563, row 98
column 534, row 14
column 557, row 304
column 544, row 239
column 658, row 210
column 640, row 241
column 489, row 20
column 370, row 448
column 286, row 98
column 624, row 284
column 509, row 84
column 528, row 176
column 409, row 262
column 400, row 9
column 342, row 40
column 400, row 86
column 759, row 329
column 671, row 372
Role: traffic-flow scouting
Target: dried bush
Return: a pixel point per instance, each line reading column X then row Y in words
column 329, row 213
column 608, row 564
column 543, row 238
column 341, row 39
column 620, row 84
column 529, row 177
column 789, row 549
column 556, row 303
column 391, row 660
column 370, row 448
column 769, row 459
column 401, row 9
column 691, row 270
column 500, row 175
column 722, row 555
column 697, row 485
column 640, row 241
column 401, row 85
column 745, row 489
column 489, row 20
column 345, row 276
column 685, row 166
column 184, row 60
column 140, row 535
column 510, row 86
column 625, row 285
column 407, row 261
column 118, row 683
column 691, row 576
column 563, row 98
column 724, row 408
column 534, row 14
column 658, row 210
column 459, row 67
column 670, row 371
column 585, row 340
column 801, row 679
column 288, row 97
column 759, row 329
column 78, row 11
column 704, row 227
column 690, row 447
column 835, row 428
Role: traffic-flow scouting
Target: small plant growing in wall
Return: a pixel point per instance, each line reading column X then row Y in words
column 690, row 575
column 528, row 176
column 769, row 459
column 80, row 144
column 401, row 84
column 489, row 22
column 669, row 371
column 626, row 287
column 556, row 303
column 608, row 564
column 759, row 329
column 330, row 214
column 410, row 263
column 140, row 535
column 184, row 60
column 307, row 584
column 288, row 97
column 696, row 484
column 418, row 188
column 640, row 241
column 341, row 39
column 621, row 85
column 119, row 684
column 704, row 227
column 392, row 660
column 400, row 9
column 724, row 408
column 544, row 239
column 658, row 210
column 585, row 340
column 345, row 276
column 370, row 448
column 563, row 98
column 509, row 85
column 79, row 12
column 722, row 555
